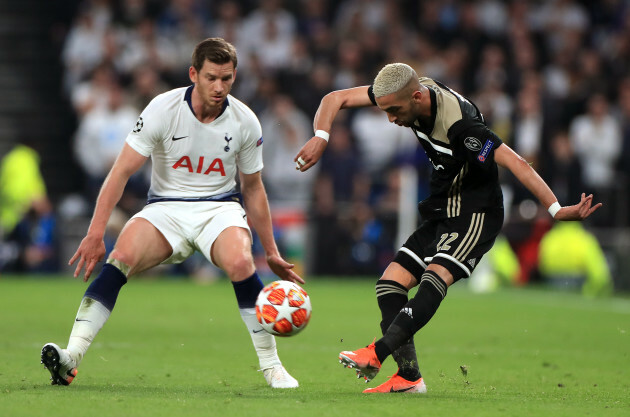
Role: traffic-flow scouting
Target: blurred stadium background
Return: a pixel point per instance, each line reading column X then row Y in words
column 551, row 77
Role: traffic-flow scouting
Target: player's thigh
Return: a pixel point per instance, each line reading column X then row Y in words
column 141, row 246
column 232, row 242
column 411, row 256
column 451, row 247
column 226, row 242
column 462, row 241
column 231, row 251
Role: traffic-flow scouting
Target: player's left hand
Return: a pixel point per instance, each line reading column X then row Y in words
column 579, row 211
column 310, row 153
column 283, row 269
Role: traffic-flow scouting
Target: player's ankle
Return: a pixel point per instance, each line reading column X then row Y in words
column 269, row 363
column 409, row 375
column 381, row 350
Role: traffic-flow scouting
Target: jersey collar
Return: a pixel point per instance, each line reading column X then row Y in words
column 428, row 127
column 188, row 99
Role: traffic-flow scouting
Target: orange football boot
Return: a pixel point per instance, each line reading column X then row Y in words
column 396, row 383
column 364, row 360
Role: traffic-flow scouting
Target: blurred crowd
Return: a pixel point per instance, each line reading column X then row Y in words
column 552, row 79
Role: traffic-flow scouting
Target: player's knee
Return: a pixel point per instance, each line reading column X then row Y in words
column 397, row 273
column 238, row 266
column 121, row 261
column 382, row 278
column 444, row 274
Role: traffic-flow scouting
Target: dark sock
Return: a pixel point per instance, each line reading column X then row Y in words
column 106, row 286
column 407, row 360
column 392, row 297
column 414, row 315
column 247, row 291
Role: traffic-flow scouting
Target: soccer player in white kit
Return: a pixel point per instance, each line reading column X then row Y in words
column 198, row 138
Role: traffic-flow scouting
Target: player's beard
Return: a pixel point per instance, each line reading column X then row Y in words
column 216, row 101
column 403, row 123
column 209, row 98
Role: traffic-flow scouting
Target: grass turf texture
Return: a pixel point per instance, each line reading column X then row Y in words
column 175, row 348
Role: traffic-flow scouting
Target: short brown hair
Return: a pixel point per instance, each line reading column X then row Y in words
column 215, row 50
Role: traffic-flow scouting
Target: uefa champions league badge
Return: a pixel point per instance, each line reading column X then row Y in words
column 139, row 125
column 472, row 143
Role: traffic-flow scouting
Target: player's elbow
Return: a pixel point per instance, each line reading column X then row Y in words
column 523, row 165
column 332, row 99
column 345, row 99
column 522, row 162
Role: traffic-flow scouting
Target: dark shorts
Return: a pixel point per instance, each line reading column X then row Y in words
column 456, row 243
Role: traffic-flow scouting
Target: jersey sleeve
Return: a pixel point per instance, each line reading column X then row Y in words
column 250, row 158
column 474, row 142
column 149, row 128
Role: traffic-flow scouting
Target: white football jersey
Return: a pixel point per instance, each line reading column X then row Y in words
column 193, row 159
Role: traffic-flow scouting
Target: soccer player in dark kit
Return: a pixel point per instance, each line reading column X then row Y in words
column 460, row 219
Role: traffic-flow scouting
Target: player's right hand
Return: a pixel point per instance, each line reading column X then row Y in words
column 90, row 252
column 310, row 153
column 579, row 211
column 283, row 269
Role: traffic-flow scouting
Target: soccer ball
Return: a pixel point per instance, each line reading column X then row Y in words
column 283, row 308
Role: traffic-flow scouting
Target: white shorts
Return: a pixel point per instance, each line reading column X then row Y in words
column 193, row 226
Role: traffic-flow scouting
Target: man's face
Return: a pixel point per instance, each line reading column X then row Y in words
column 400, row 107
column 213, row 82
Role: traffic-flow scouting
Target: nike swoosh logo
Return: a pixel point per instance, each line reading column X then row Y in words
column 258, row 331
column 400, row 390
column 181, row 137
column 82, row 320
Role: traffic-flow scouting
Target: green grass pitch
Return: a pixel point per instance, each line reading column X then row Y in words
column 175, row 348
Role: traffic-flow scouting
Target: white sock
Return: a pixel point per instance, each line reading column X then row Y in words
column 91, row 317
column 264, row 343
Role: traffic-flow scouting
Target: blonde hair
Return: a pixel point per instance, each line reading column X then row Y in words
column 392, row 78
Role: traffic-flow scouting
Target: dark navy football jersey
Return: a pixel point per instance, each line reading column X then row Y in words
column 461, row 148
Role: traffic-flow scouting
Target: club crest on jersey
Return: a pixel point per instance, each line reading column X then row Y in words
column 485, row 151
column 227, row 146
column 472, row 143
column 139, row 125
column 259, row 142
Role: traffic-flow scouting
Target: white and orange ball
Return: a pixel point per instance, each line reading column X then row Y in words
column 283, row 308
